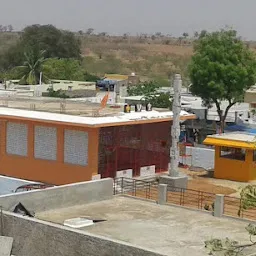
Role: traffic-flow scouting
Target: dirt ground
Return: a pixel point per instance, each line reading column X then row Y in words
column 202, row 180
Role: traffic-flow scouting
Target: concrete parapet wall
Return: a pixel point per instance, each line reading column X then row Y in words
column 61, row 196
column 35, row 237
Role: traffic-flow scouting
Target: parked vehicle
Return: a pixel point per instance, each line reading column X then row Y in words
column 106, row 85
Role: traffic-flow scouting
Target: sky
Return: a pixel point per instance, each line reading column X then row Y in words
column 134, row 16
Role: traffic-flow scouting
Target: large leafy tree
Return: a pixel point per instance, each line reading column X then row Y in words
column 149, row 93
column 64, row 69
column 222, row 69
column 55, row 42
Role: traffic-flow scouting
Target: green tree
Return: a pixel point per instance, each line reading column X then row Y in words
column 64, row 69
column 196, row 34
column 228, row 247
column 56, row 44
column 149, row 93
column 248, row 198
column 223, row 68
column 185, row 35
column 33, row 66
column 144, row 89
column 202, row 33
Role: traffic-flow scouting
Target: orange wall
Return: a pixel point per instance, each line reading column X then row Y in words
column 53, row 172
column 236, row 170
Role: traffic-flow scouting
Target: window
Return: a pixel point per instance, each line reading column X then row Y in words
column 76, row 147
column 45, row 143
column 233, row 153
column 17, row 139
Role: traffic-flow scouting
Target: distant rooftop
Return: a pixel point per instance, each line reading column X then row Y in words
column 233, row 139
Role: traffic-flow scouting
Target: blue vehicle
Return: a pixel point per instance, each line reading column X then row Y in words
column 106, row 85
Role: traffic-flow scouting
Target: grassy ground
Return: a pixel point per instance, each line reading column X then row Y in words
column 150, row 59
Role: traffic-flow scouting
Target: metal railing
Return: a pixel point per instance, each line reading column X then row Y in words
column 137, row 188
column 233, row 207
column 191, row 198
column 184, row 197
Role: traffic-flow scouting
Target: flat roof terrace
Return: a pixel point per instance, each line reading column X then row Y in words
column 111, row 120
column 168, row 230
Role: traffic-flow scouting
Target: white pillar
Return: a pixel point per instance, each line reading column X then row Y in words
column 219, row 206
column 162, row 194
column 176, row 108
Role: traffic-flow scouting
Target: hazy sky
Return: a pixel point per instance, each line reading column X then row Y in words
column 134, row 16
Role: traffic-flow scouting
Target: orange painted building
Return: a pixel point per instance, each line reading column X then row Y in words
column 61, row 149
column 235, row 156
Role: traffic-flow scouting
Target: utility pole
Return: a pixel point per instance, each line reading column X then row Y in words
column 175, row 134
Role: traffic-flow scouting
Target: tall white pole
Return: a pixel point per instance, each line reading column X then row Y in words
column 40, row 80
column 176, row 108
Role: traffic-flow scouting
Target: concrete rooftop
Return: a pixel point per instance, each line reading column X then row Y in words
column 168, row 230
column 118, row 118
column 236, row 136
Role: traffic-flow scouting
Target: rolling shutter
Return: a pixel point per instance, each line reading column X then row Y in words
column 45, row 143
column 76, row 147
column 17, row 139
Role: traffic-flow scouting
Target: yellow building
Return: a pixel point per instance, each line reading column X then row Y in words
column 235, row 156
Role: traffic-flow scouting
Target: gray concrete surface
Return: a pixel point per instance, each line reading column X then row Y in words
column 61, row 196
column 33, row 237
column 168, row 230
column 5, row 245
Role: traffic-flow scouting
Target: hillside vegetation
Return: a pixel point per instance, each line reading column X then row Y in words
column 151, row 57
column 156, row 59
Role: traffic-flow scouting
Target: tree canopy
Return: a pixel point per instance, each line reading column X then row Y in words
column 64, row 69
column 149, row 91
column 55, row 42
column 222, row 69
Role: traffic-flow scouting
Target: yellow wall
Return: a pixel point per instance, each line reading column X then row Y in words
column 236, row 170
column 52, row 172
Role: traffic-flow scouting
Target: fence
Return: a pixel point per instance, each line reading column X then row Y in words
column 233, row 207
column 151, row 190
column 138, row 188
column 191, row 198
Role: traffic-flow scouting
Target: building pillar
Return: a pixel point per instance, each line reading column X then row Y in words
column 219, row 206
column 162, row 194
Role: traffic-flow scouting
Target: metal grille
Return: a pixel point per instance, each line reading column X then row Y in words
column 17, row 139
column 134, row 146
column 45, row 143
column 76, row 147
column 232, row 207
column 137, row 188
column 191, row 198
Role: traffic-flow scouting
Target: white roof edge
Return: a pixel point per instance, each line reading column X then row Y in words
column 65, row 118
column 235, row 136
